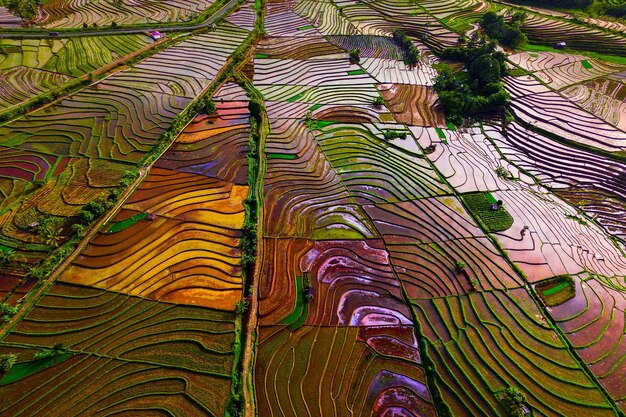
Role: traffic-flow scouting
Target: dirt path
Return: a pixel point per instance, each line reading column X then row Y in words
column 251, row 328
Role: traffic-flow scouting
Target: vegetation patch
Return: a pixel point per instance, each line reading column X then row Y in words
column 490, row 212
column 477, row 88
column 24, row 369
column 289, row 156
column 121, row 225
column 556, row 290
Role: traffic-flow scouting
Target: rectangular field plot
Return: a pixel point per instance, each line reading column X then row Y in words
column 423, row 221
column 339, row 371
column 469, row 162
column 413, row 104
column 604, row 97
column 188, row 252
column 432, row 270
column 317, row 72
column 30, row 67
column 282, row 21
column 552, row 112
column 125, row 354
column 102, row 122
column 593, row 321
column 101, row 12
column 561, row 70
column 592, row 182
column 325, row 16
column 557, row 241
column 352, row 283
column 485, row 342
column 394, row 71
column 213, row 146
column 375, row 170
column 304, row 197
column 338, row 95
column 296, row 47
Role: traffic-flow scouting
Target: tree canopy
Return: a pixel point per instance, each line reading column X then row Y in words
column 475, row 89
column 508, row 34
column 25, row 9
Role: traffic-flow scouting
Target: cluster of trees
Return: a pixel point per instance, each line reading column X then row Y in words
column 25, row 9
column 410, row 51
column 615, row 9
column 512, row 402
column 508, row 34
column 393, row 134
column 565, row 4
column 608, row 8
column 477, row 88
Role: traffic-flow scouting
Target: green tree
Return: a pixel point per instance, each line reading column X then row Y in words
column 512, row 402
column 355, row 55
column 485, row 70
column 56, row 351
column 241, row 306
column 25, row 9
column 7, row 361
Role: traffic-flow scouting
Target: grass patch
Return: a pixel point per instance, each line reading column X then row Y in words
column 494, row 220
column 281, row 156
column 451, row 126
column 518, row 72
column 121, row 225
column 22, row 370
column 315, row 107
column 440, row 133
column 295, row 98
column 586, row 64
column 298, row 315
column 359, row 71
column 306, row 27
column 556, row 290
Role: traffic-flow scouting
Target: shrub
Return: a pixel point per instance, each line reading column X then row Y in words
column 255, row 110
column 7, row 361
column 508, row 34
column 85, row 217
column 355, row 55
column 378, row 101
column 512, row 402
column 393, row 134
column 241, row 306
column 410, row 51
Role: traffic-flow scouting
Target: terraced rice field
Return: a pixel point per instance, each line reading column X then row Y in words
column 125, row 354
column 190, row 242
column 64, row 14
column 325, row 242
column 508, row 337
column 32, row 67
column 83, row 144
